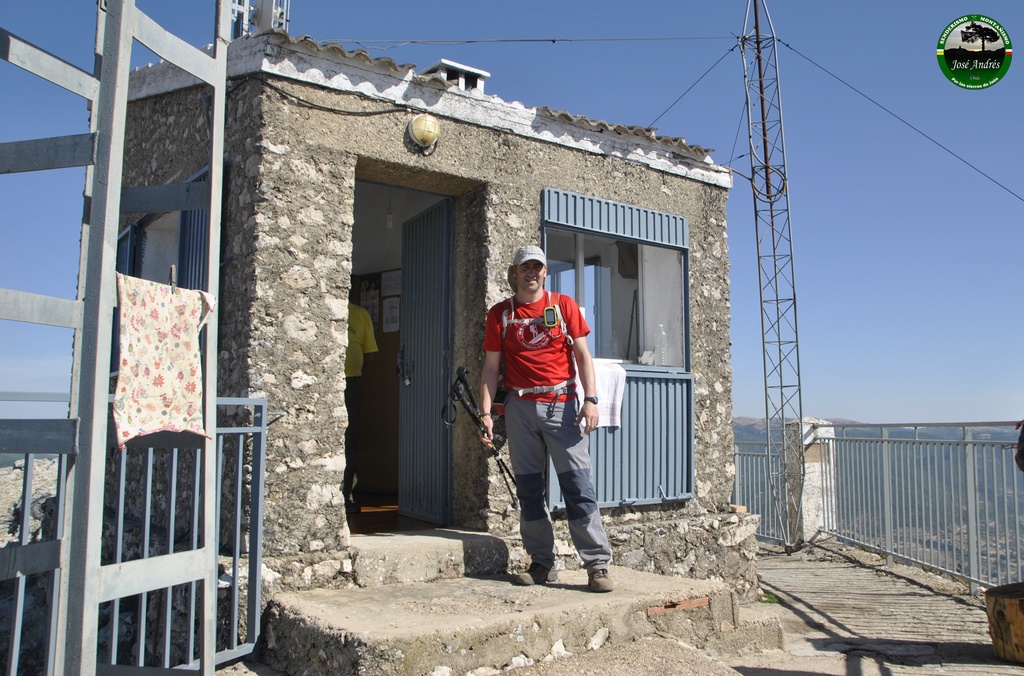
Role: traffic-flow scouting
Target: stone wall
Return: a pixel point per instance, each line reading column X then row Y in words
column 689, row 543
column 288, row 218
column 297, row 324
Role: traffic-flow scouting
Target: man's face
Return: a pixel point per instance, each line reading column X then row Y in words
column 530, row 275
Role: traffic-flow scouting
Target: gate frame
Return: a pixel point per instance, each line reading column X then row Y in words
column 84, row 582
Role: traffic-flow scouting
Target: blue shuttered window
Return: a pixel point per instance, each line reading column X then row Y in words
column 150, row 257
column 629, row 267
column 194, row 243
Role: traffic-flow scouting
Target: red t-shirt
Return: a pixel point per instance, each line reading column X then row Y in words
column 535, row 355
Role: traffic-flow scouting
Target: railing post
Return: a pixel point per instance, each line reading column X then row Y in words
column 259, row 454
column 826, row 440
column 972, row 510
column 887, row 495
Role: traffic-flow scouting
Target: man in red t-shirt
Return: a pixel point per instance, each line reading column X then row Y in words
column 542, row 338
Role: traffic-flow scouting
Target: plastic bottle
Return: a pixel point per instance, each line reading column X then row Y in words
column 661, row 346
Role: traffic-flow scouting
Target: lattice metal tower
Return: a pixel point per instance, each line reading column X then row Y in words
column 781, row 354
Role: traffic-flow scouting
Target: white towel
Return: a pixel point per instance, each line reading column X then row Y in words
column 611, row 384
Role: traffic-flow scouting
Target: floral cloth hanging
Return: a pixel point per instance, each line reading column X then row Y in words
column 160, row 378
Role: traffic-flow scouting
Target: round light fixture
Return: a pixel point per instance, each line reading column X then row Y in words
column 424, row 129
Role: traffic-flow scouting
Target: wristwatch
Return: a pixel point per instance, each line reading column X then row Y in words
column 592, row 400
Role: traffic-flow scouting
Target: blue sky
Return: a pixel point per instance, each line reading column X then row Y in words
column 908, row 262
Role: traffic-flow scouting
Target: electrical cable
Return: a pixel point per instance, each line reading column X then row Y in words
column 329, row 109
column 369, row 113
column 831, row 74
column 694, row 84
column 393, row 44
column 736, row 139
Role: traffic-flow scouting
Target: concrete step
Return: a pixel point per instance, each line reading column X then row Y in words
column 424, row 556
column 483, row 623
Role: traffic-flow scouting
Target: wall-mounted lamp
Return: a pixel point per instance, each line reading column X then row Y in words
column 424, row 130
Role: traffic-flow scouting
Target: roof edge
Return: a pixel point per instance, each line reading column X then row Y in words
column 331, row 66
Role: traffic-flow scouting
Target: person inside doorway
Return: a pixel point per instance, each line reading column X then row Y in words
column 361, row 348
column 541, row 337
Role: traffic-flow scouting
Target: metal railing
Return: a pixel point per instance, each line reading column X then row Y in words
column 757, row 486
column 944, row 496
column 152, row 507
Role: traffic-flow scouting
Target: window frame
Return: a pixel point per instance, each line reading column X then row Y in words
column 569, row 212
column 650, row 459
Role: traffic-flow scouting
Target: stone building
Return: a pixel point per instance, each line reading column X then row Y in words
column 325, row 189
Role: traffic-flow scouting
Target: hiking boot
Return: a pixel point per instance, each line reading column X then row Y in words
column 535, row 574
column 598, row 581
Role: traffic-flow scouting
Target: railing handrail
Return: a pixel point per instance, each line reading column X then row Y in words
column 915, row 425
column 64, row 397
column 947, row 502
column 58, row 397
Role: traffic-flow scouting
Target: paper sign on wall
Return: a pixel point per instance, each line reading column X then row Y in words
column 391, row 314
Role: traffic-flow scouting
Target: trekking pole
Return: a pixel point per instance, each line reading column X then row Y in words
column 462, row 392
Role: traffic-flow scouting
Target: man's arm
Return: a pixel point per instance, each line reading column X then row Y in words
column 488, row 390
column 585, row 366
column 369, row 344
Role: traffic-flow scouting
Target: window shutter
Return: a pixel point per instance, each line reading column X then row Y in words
column 193, row 245
column 649, row 459
column 622, row 221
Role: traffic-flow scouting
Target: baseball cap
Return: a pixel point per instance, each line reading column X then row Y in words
column 529, row 253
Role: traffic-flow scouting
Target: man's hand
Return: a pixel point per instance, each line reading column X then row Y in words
column 585, row 366
column 488, row 390
column 488, row 423
column 588, row 413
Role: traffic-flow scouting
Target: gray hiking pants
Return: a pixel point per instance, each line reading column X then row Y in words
column 536, row 431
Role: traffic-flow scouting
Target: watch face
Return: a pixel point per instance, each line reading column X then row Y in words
column 592, row 400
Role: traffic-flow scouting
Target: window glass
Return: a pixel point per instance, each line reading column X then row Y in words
column 630, row 294
column 662, row 305
column 561, row 255
column 160, row 248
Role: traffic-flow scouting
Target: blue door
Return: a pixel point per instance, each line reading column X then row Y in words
column 424, row 365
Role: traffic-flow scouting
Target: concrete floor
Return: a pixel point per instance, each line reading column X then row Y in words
column 844, row 613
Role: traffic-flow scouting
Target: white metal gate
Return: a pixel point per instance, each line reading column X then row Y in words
column 83, row 581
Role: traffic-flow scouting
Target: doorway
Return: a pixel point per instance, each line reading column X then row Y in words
column 382, row 212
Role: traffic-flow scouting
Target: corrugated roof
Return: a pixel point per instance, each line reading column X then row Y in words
column 647, row 133
column 336, row 47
